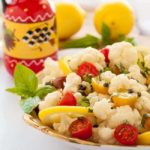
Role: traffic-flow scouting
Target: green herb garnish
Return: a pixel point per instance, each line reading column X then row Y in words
column 29, row 104
column 106, row 34
column 84, row 102
column 26, row 86
column 87, row 78
column 144, row 70
column 121, row 68
column 127, row 39
column 88, row 40
column 96, row 42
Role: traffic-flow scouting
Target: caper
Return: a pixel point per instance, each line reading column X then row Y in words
column 139, row 94
column 130, row 91
column 82, row 87
column 106, row 84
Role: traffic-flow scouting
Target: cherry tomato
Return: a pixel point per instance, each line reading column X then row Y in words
column 81, row 128
column 68, row 100
column 105, row 52
column 126, row 134
column 87, row 69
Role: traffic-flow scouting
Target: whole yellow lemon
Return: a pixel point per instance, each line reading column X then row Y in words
column 69, row 18
column 118, row 16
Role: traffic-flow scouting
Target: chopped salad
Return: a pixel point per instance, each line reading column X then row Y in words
column 101, row 96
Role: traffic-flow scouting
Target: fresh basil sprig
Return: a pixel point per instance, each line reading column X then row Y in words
column 106, row 34
column 43, row 91
column 26, row 86
column 86, row 41
column 94, row 41
column 29, row 104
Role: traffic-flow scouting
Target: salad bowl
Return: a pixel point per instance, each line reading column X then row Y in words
column 35, row 121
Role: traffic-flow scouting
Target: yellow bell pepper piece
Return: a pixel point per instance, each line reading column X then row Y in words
column 144, row 138
column 121, row 99
column 99, row 87
column 64, row 66
column 53, row 114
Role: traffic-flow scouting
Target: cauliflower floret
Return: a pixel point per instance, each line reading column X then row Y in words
column 124, row 114
column 51, row 99
column 78, row 95
column 137, row 87
column 118, row 83
column 52, row 69
column 46, row 79
column 102, row 109
column 135, row 73
column 122, row 82
column 95, row 135
column 123, row 53
column 88, row 55
column 143, row 103
column 147, row 61
column 95, row 97
column 106, row 135
column 72, row 82
column 107, row 76
column 64, row 124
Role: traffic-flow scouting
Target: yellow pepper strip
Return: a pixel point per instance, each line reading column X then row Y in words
column 52, row 114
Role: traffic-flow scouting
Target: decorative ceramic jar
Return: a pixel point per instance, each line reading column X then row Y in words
column 29, row 33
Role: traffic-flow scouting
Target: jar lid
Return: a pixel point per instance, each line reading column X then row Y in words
column 29, row 11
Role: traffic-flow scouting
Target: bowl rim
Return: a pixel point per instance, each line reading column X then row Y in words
column 33, row 121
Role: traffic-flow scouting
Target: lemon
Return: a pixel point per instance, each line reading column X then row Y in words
column 118, row 16
column 53, row 114
column 144, row 138
column 121, row 99
column 99, row 87
column 69, row 18
column 64, row 66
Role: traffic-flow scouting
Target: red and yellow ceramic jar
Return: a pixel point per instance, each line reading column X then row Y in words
column 29, row 34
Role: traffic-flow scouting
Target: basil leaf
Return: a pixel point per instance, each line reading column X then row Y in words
column 43, row 91
column 86, row 41
column 25, row 78
column 106, row 34
column 127, row 39
column 20, row 92
column 28, row 105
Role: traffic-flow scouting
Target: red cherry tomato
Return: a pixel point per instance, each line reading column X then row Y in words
column 68, row 100
column 126, row 134
column 86, row 69
column 81, row 128
column 105, row 52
